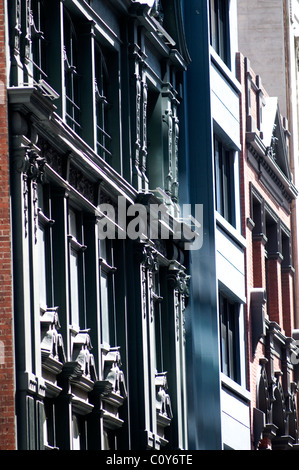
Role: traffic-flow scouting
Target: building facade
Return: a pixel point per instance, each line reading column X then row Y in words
column 94, row 93
column 268, row 194
column 273, row 53
column 7, row 366
column 147, row 232
column 216, row 348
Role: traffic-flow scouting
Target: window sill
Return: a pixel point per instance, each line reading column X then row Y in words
column 224, row 69
column 235, row 388
column 230, row 230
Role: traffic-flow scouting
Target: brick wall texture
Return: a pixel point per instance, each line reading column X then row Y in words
column 281, row 300
column 7, row 410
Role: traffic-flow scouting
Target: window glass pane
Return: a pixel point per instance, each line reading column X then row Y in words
column 219, row 28
column 41, row 241
column 229, row 325
column 74, row 267
column 76, row 434
column 222, row 49
column 224, row 181
column 37, row 23
column 104, row 308
column 73, row 223
column 71, row 74
column 218, row 176
column 213, row 21
column 223, row 325
column 226, row 172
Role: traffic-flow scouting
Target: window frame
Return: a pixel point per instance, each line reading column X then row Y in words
column 224, row 161
column 102, row 104
column 107, row 269
column 71, row 73
column 44, row 224
column 219, row 29
column 76, row 246
column 229, row 325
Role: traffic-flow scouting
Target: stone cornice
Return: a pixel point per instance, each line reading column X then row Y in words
column 268, row 168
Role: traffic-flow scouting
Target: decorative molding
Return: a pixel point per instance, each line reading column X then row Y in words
column 113, row 389
column 82, row 184
column 52, row 347
column 163, row 406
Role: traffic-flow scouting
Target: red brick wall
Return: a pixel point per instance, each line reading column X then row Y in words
column 7, row 411
column 281, row 298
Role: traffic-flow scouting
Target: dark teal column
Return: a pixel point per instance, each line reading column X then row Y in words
column 203, row 374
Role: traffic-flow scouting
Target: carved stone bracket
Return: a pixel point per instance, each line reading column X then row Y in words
column 157, row 11
column 179, row 280
column 113, row 389
column 52, row 347
column 82, row 355
column 113, row 372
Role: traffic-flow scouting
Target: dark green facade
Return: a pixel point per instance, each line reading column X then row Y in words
column 95, row 107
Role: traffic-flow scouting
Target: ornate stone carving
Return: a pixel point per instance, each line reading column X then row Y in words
column 52, row 347
column 163, row 405
column 82, row 355
column 113, row 389
column 157, row 11
column 113, row 373
column 52, row 157
column 82, row 184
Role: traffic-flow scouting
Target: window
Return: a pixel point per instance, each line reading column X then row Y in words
column 79, row 433
column 108, row 334
column 154, row 166
column 229, row 333
column 76, row 267
column 49, row 423
column 72, row 108
column 224, row 181
column 157, row 299
column 37, row 24
column 103, row 137
column 43, row 236
column 219, row 31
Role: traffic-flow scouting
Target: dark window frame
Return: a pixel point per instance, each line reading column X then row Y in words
column 76, row 246
column 103, row 106
column 224, row 181
column 219, row 29
column 107, row 270
column 71, row 72
column 39, row 40
column 229, row 315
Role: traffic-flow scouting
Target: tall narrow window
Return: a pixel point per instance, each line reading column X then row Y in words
column 224, row 181
column 72, row 105
column 102, row 104
column 79, row 433
column 229, row 332
column 107, row 293
column 44, row 225
column 219, row 31
column 156, row 299
column 37, row 28
column 76, row 268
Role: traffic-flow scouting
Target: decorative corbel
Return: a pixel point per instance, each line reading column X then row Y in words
column 82, row 355
column 52, row 347
column 163, row 405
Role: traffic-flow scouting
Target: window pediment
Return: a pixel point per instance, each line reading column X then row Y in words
column 274, row 136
